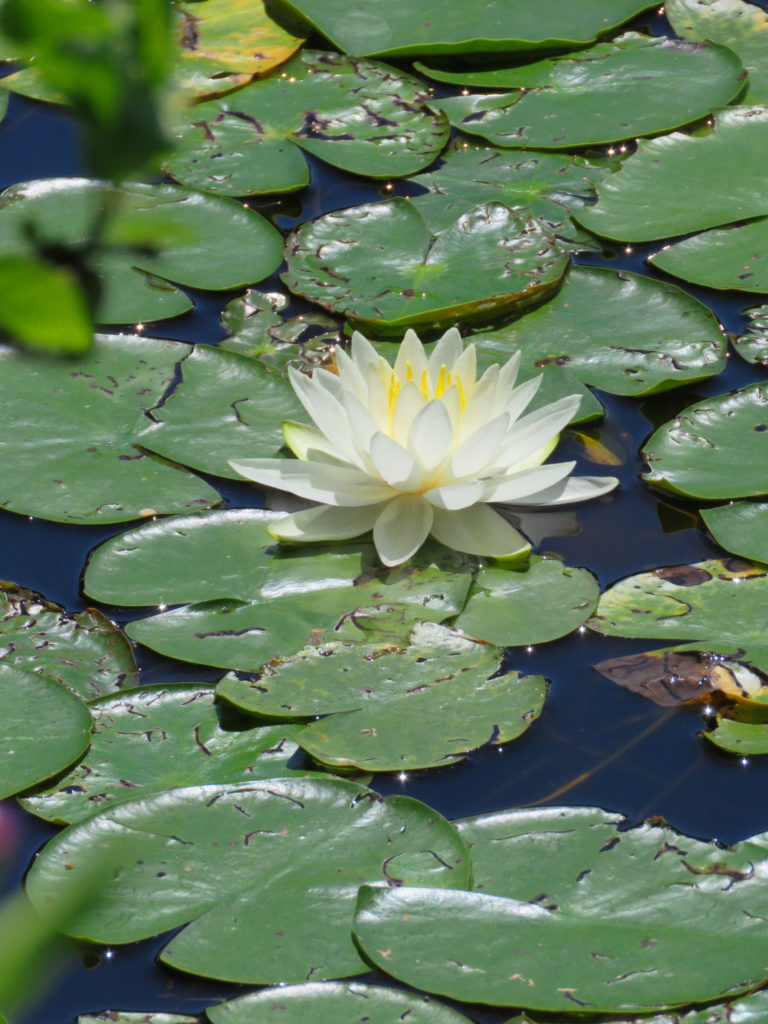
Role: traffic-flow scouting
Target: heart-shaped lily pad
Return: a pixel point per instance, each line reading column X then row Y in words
column 358, row 115
column 740, row 527
column 742, row 27
column 390, row 707
column 733, row 258
column 70, row 434
column 674, row 184
column 339, row 1001
column 255, row 868
column 254, row 601
column 155, row 234
column 667, row 337
column 381, row 27
column 627, row 917
column 84, row 651
column 380, row 266
column 636, row 85
column 717, row 448
column 163, row 737
column 43, row 728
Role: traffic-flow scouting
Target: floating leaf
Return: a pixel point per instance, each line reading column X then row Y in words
column 225, row 406
column 389, row 707
column 84, row 652
column 742, row 27
column 636, row 85
column 674, row 184
column 740, row 527
column 379, row 265
column 257, row 329
column 255, row 601
column 734, row 257
column 741, row 731
column 382, row 28
column 202, row 854
column 341, row 1001
column 164, row 737
column 626, row 916
column 125, row 1017
column 71, row 431
column 752, row 345
column 541, row 603
column 155, row 234
column 667, row 338
column 358, row 115
column 43, row 728
column 695, row 453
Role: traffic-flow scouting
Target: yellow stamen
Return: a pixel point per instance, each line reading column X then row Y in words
column 424, row 384
column 408, row 370
column 462, row 395
column 440, row 386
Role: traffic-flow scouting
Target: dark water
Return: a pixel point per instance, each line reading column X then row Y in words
column 594, row 744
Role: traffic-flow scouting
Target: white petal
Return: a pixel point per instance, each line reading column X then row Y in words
column 479, row 530
column 302, row 440
column 362, row 351
column 411, row 351
column 408, row 404
column 466, row 368
column 480, row 403
column 480, row 449
column 350, row 375
column 576, row 488
column 516, row 486
column 445, row 353
column 328, row 381
column 430, row 438
column 316, row 481
column 326, row 523
column 534, row 431
column 509, row 371
column 402, row 527
column 456, row 496
column 394, row 464
column 516, row 401
column 361, row 424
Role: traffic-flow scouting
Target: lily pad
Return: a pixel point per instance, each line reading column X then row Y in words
column 544, row 602
column 390, row 708
column 180, row 236
column 339, row 1001
column 382, row 28
column 636, row 85
column 740, row 733
column 71, row 431
column 225, row 406
column 667, row 338
column 674, row 184
column 125, row 1017
column 740, row 527
column 733, row 258
column 257, row 329
column 159, row 738
column 742, row 27
column 255, row 868
column 44, row 728
column 716, row 448
column 752, row 345
column 255, row 601
column 379, row 265
column 84, row 651
column 626, row 916
column 547, row 186
column 359, row 115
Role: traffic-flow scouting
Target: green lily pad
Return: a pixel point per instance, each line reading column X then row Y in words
column 125, row 1017
column 667, row 337
column 159, row 738
column 44, row 728
column 626, row 916
column 340, row 1001
column 257, row 329
column 84, row 651
column 382, row 28
column 359, row 115
column 733, row 258
column 544, row 602
column 379, row 265
column 742, row 27
column 716, row 448
column 255, row 601
column 394, row 708
column 674, row 184
column 547, row 186
column 752, row 345
column 740, row 731
column 636, row 85
column 740, row 527
column 202, row 854
column 71, row 431
column 225, row 406
column 180, row 236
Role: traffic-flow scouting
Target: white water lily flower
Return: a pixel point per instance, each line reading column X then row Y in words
column 420, row 448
